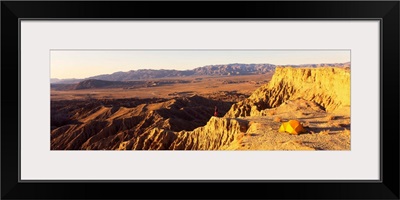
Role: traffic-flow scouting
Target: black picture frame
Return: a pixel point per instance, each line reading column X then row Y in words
column 386, row 11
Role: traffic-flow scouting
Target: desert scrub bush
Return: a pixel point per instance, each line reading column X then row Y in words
column 324, row 132
column 306, row 124
column 277, row 119
column 239, row 137
column 335, row 124
column 305, row 113
column 345, row 123
column 271, row 112
column 330, row 118
column 346, row 132
column 300, row 114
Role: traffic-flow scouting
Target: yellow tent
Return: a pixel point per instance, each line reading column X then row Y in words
column 292, row 127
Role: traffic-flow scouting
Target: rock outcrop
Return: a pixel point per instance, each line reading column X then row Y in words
column 217, row 133
column 328, row 87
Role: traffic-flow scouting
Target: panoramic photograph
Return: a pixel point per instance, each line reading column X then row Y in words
column 250, row 100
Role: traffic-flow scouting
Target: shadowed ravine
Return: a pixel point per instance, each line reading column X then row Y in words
column 108, row 124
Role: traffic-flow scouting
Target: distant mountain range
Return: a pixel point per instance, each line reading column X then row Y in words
column 209, row 70
column 94, row 83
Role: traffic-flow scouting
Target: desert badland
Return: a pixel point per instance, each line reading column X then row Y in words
column 174, row 110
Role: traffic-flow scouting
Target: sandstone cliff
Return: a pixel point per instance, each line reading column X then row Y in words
column 328, row 87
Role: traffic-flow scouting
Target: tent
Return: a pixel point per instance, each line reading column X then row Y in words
column 292, row 127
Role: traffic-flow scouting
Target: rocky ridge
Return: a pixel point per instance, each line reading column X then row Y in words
column 233, row 69
column 328, row 87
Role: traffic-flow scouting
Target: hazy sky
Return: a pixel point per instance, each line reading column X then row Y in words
column 83, row 64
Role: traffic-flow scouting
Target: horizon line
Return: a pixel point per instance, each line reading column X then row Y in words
column 211, row 65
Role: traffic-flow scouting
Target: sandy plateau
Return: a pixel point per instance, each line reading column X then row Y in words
column 179, row 114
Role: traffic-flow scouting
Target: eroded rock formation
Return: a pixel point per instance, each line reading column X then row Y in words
column 328, row 87
column 175, row 124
